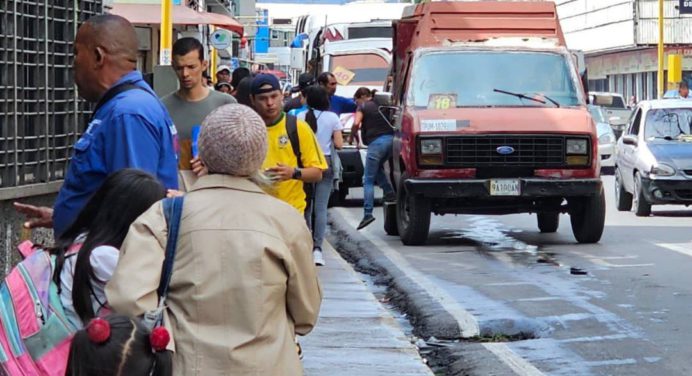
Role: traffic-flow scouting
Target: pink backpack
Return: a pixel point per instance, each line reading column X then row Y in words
column 35, row 334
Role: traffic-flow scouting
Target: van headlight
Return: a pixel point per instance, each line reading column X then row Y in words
column 577, row 146
column 431, row 146
column 662, row 169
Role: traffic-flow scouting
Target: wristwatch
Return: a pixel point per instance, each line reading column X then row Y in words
column 297, row 173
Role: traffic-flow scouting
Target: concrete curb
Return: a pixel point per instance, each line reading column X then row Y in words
column 355, row 334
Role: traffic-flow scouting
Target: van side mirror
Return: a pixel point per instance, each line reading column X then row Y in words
column 630, row 140
column 390, row 114
column 383, row 99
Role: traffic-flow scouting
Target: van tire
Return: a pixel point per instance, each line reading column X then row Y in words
column 412, row 216
column 548, row 222
column 588, row 218
column 390, row 223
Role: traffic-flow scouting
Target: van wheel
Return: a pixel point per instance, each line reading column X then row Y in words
column 642, row 208
column 412, row 216
column 588, row 218
column 623, row 199
column 548, row 222
column 390, row 224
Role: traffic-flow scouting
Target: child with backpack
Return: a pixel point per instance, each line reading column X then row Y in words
column 48, row 295
column 118, row 345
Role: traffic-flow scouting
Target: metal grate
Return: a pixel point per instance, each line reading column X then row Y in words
column 40, row 113
column 529, row 151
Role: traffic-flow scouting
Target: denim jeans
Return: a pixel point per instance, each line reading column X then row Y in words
column 316, row 211
column 379, row 152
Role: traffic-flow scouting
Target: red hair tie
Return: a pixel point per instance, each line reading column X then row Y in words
column 99, row 330
column 159, row 338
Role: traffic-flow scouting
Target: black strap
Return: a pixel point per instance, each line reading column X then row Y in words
column 112, row 92
column 292, row 130
column 172, row 210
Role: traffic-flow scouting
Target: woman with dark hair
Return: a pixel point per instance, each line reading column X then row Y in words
column 100, row 229
column 327, row 127
column 378, row 135
column 116, row 345
column 242, row 91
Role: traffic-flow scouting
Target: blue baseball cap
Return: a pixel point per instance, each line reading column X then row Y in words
column 264, row 79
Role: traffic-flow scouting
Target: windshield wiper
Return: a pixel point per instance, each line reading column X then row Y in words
column 524, row 96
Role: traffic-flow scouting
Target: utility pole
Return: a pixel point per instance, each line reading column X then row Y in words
column 166, row 41
column 661, row 81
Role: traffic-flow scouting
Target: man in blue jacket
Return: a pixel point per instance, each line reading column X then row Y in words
column 130, row 128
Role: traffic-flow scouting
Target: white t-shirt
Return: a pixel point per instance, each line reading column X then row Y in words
column 327, row 123
column 103, row 261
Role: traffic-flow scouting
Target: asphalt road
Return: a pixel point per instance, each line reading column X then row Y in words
column 621, row 307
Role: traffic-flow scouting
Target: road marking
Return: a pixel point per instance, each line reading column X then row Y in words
column 603, row 261
column 683, row 248
column 512, row 360
column 466, row 321
column 612, row 337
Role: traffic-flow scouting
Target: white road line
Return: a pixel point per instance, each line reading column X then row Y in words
column 467, row 322
column 512, row 360
column 683, row 248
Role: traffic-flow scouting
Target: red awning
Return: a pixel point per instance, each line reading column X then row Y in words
column 151, row 14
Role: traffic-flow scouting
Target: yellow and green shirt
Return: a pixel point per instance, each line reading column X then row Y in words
column 279, row 150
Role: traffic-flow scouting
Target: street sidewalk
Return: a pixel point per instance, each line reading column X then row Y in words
column 355, row 335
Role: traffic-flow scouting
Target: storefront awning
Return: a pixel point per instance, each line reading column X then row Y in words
column 151, row 14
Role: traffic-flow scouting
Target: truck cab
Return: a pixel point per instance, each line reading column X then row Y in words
column 490, row 116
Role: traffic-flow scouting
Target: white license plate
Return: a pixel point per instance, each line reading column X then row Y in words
column 506, row 187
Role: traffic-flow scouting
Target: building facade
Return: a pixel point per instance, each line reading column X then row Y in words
column 620, row 37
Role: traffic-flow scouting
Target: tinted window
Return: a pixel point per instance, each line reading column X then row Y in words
column 370, row 32
column 636, row 119
column 609, row 101
column 472, row 77
column 369, row 69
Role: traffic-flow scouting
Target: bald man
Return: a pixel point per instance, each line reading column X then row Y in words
column 129, row 128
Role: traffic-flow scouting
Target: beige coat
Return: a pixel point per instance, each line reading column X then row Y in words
column 243, row 284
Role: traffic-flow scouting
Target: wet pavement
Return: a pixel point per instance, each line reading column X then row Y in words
column 620, row 307
column 355, row 334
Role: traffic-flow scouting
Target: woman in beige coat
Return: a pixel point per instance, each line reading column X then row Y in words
column 244, row 283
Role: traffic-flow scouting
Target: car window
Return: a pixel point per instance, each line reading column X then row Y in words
column 608, row 101
column 636, row 120
column 668, row 123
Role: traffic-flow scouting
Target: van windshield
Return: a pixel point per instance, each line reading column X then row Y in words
column 473, row 78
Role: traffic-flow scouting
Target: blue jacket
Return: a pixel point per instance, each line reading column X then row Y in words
column 341, row 105
column 132, row 130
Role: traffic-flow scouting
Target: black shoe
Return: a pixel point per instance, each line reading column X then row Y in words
column 390, row 197
column 368, row 219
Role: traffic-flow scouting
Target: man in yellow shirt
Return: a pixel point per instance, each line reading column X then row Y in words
column 281, row 163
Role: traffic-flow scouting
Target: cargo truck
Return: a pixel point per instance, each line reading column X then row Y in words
column 490, row 117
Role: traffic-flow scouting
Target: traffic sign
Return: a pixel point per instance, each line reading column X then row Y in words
column 685, row 7
column 221, row 39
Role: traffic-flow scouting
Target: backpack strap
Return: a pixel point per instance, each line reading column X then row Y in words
column 292, row 130
column 172, row 210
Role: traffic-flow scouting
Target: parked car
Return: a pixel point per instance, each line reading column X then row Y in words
column 615, row 107
column 606, row 137
column 653, row 164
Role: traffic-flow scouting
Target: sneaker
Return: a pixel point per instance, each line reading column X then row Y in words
column 390, row 197
column 368, row 219
column 317, row 257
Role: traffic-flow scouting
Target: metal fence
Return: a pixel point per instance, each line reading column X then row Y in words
column 40, row 113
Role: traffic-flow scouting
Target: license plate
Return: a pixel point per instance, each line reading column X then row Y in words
column 506, row 187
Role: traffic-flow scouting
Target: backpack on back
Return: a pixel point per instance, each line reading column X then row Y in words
column 35, row 334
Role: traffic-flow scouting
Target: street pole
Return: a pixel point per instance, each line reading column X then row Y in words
column 660, row 49
column 166, row 41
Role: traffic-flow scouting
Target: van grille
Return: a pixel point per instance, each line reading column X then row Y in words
column 530, row 151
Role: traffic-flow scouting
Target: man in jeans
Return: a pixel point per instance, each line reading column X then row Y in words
column 378, row 135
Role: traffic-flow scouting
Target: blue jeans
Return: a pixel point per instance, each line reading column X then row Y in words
column 379, row 152
column 316, row 211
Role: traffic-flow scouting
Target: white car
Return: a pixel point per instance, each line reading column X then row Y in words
column 607, row 142
column 615, row 108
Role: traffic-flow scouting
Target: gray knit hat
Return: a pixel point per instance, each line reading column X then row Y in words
column 233, row 141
